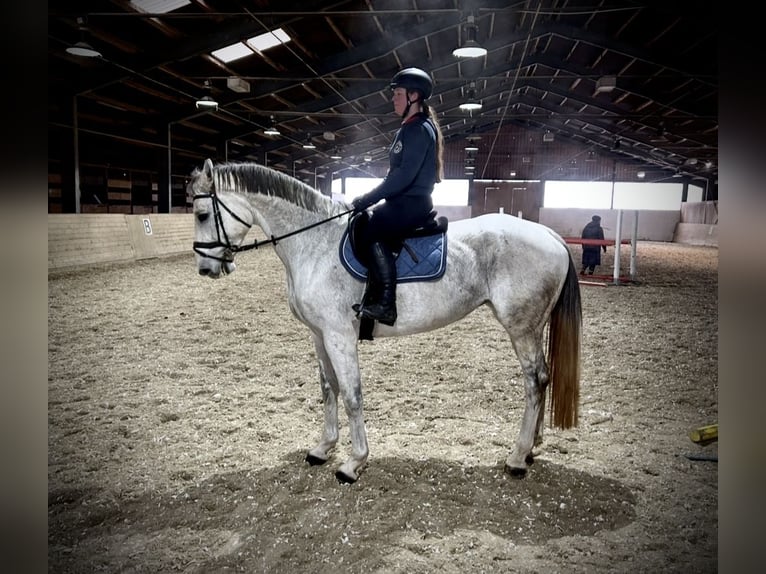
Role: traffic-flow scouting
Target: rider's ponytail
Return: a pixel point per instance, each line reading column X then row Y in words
column 439, row 141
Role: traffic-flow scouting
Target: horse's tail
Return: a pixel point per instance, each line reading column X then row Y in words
column 564, row 338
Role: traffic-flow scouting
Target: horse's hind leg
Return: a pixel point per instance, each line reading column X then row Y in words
column 329, row 385
column 541, row 416
column 530, row 353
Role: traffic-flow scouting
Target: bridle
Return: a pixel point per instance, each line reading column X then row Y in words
column 222, row 238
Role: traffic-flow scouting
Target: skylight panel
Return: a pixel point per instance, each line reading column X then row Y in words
column 259, row 43
column 263, row 42
column 232, row 52
column 159, row 6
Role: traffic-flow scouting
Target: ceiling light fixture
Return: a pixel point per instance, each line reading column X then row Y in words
column 207, row 103
column 471, row 104
column 308, row 144
column 336, row 154
column 82, row 48
column 473, row 141
column 471, row 48
column 272, row 130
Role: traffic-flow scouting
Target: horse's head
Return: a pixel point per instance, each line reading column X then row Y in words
column 218, row 229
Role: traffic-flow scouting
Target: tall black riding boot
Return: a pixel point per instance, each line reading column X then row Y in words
column 383, row 309
column 371, row 290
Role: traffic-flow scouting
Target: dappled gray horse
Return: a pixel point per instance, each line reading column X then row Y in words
column 522, row 270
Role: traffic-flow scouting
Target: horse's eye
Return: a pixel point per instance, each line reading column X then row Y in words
column 202, row 217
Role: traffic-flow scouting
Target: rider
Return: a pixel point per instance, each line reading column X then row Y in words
column 415, row 166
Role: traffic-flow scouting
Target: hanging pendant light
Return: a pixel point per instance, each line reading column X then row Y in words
column 471, row 104
column 308, row 144
column 206, row 102
column 471, row 48
column 82, row 49
column 272, row 130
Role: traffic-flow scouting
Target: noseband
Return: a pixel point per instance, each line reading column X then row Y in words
column 220, row 230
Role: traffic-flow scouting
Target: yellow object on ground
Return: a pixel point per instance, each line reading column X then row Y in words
column 705, row 435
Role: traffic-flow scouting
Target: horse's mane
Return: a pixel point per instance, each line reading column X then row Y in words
column 257, row 178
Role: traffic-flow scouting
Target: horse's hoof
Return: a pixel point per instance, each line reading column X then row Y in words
column 315, row 460
column 515, row 471
column 530, row 459
column 343, row 478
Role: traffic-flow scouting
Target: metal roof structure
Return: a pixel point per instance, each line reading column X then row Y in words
column 635, row 83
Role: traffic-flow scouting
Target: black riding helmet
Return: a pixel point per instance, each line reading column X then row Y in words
column 413, row 79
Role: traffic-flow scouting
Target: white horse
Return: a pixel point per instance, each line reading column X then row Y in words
column 522, row 270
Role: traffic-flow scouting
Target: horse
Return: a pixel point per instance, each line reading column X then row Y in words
column 521, row 269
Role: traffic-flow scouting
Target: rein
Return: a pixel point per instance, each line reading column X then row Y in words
column 228, row 254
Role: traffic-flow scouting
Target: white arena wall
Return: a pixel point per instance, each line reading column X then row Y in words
column 653, row 225
column 76, row 240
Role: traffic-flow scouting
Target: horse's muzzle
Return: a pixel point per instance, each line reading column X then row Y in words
column 224, row 268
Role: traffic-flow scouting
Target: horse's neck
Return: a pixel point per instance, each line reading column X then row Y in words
column 277, row 217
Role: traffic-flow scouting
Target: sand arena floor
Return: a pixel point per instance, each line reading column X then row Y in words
column 180, row 411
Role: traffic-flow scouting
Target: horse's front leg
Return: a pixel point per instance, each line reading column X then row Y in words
column 339, row 373
column 329, row 384
column 342, row 351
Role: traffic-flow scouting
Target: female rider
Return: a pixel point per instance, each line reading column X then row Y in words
column 415, row 166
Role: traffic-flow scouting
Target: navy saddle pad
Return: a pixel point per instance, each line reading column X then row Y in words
column 421, row 259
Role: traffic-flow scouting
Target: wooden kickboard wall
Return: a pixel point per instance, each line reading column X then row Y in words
column 76, row 240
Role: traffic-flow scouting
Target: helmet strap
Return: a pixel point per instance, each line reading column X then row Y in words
column 409, row 105
column 407, row 109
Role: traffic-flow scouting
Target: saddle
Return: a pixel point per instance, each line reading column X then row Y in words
column 421, row 255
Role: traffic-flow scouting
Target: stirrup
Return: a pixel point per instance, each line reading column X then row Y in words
column 367, row 299
column 385, row 315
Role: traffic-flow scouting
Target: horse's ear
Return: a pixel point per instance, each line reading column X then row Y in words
column 208, row 167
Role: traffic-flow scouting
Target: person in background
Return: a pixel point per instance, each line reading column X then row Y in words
column 591, row 254
column 415, row 166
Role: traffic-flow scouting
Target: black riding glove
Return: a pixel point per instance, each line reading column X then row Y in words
column 360, row 204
